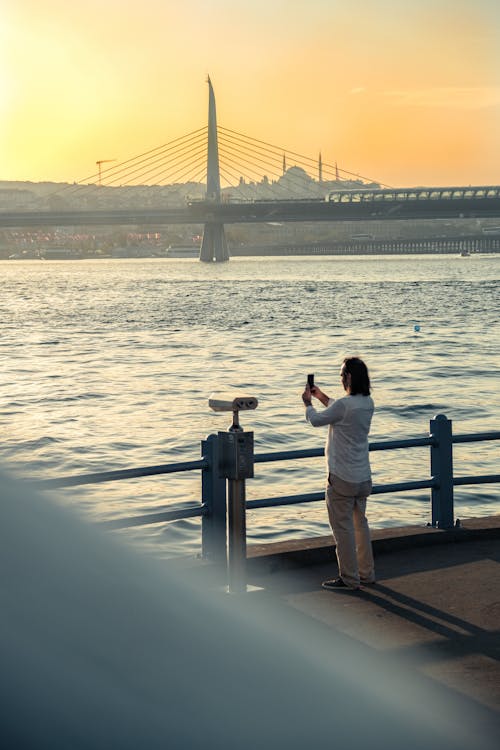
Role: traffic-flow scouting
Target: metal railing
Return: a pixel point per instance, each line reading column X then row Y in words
column 213, row 506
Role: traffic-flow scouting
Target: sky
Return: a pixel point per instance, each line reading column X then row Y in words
column 406, row 93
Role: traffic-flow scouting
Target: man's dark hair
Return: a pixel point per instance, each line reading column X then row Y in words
column 360, row 380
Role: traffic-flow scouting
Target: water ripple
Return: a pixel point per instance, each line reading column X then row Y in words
column 110, row 365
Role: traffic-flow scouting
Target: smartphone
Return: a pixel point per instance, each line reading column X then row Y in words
column 310, row 381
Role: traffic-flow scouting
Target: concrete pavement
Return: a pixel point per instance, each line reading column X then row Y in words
column 435, row 607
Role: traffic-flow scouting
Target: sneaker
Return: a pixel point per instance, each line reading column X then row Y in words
column 338, row 584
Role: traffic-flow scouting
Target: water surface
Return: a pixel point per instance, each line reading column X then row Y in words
column 109, row 364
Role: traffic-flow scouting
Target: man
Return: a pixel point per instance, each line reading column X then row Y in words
column 349, row 473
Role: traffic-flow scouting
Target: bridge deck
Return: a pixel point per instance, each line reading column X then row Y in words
column 352, row 205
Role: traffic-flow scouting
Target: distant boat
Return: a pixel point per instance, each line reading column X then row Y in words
column 182, row 251
column 465, row 254
column 59, row 253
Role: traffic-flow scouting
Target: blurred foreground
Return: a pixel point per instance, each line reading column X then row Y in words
column 103, row 648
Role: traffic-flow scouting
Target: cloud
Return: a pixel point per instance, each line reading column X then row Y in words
column 452, row 97
column 357, row 90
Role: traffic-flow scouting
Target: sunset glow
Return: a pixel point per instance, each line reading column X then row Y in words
column 407, row 94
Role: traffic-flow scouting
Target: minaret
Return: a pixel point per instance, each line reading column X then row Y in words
column 214, row 245
column 284, row 163
column 320, row 169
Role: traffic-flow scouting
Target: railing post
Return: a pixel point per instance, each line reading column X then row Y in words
column 442, row 472
column 213, row 494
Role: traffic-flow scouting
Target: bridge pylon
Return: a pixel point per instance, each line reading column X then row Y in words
column 214, row 246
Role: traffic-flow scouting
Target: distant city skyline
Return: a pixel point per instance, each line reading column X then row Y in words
column 408, row 94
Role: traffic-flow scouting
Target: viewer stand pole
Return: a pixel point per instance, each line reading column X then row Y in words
column 236, row 463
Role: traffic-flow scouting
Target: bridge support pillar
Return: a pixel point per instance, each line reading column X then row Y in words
column 214, row 246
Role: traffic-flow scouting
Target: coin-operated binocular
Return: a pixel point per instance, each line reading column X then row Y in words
column 235, row 445
column 236, row 461
column 228, row 402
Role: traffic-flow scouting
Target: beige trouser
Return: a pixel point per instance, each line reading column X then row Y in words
column 346, row 503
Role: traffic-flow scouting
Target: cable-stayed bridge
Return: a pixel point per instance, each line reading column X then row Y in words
column 233, row 178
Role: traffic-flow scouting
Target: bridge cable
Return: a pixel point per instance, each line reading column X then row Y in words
column 231, row 149
column 121, row 167
column 164, row 147
column 147, row 166
column 279, row 152
column 166, row 167
column 294, row 186
column 296, row 178
column 293, row 153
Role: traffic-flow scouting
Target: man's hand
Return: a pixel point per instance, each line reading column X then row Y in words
column 318, row 393
column 306, row 396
